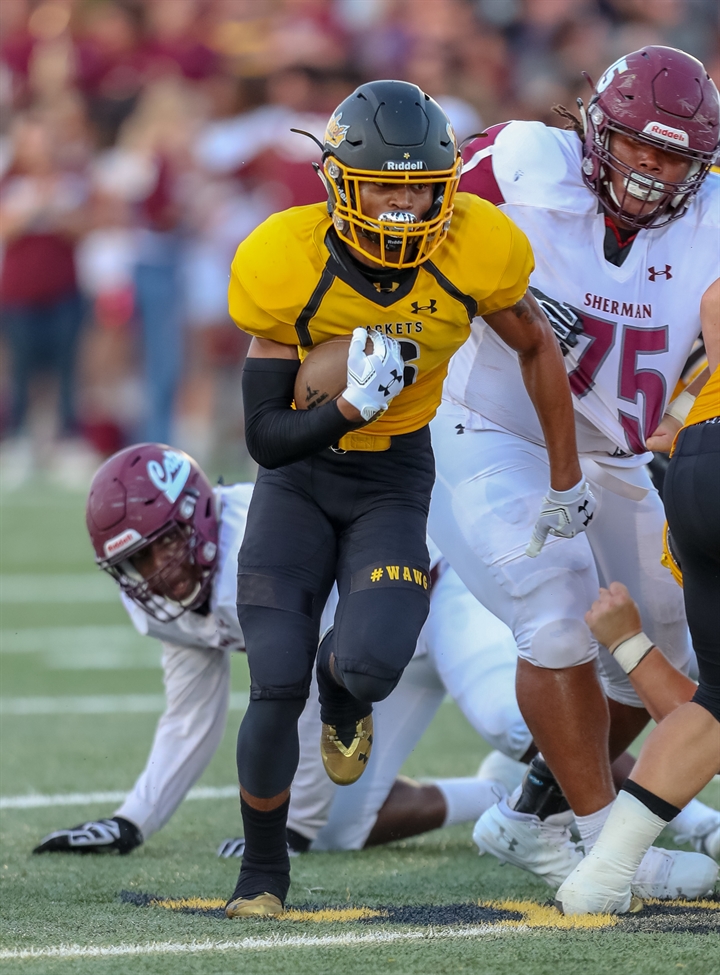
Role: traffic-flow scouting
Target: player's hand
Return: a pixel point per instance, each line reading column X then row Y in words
column 374, row 380
column 613, row 617
column 565, row 321
column 563, row 513
column 661, row 439
column 99, row 836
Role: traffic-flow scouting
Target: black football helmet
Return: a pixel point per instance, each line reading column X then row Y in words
column 390, row 131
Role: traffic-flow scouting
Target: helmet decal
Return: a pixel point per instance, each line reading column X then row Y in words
column 335, row 134
column 678, row 137
column 172, row 476
column 113, row 546
column 617, row 68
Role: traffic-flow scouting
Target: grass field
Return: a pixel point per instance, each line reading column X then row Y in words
column 80, row 697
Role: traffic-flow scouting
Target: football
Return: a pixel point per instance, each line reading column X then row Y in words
column 323, row 372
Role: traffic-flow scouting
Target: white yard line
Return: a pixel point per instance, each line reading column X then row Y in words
column 58, row 640
column 76, row 587
column 255, row 944
column 84, row 798
column 99, row 704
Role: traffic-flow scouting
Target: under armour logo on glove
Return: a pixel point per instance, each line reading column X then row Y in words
column 563, row 513
column 396, row 378
column 584, row 509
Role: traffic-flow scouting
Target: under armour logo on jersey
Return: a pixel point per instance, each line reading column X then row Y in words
column 460, row 428
column 584, row 508
column 432, row 307
column 396, row 378
column 385, row 288
column 171, row 477
column 652, row 273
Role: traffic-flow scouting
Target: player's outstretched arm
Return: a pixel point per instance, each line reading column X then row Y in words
column 197, row 687
column 615, row 622
column 569, row 505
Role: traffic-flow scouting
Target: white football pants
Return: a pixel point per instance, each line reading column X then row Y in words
column 487, row 497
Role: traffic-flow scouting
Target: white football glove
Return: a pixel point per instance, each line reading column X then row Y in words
column 563, row 513
column 373, row 380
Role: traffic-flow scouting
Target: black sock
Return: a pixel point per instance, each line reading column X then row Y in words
column 660, row 807
column 541, row 794
column 266, row 864
column 337, row 705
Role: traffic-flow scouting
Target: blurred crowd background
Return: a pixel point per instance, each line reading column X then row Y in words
column 141, row 140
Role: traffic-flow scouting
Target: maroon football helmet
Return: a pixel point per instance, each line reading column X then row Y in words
column 146, row 492
column 663, row 97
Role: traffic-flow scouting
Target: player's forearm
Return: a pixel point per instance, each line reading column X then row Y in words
column 546, row 381
column 275, row 434
column 187, row 735
column 660, row 686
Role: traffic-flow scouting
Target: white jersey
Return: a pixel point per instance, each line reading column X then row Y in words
column 640, row 319
column 219, row 629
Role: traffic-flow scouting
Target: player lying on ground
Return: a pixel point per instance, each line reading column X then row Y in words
column 622, row 214
column 682, row 754
column 394, row 252
column 171, row 542
column 462, row 648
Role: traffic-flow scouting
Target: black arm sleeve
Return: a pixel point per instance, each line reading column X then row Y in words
column 275, row 434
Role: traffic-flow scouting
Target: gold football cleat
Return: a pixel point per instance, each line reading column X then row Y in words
column 345, row 764
column 264, row 905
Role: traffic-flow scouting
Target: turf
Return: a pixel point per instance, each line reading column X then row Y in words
column 430, row 885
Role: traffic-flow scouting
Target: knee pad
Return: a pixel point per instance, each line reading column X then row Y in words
column 561, row 643
column 280, row 647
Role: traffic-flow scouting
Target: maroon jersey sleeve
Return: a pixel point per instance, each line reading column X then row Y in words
column 477, row 176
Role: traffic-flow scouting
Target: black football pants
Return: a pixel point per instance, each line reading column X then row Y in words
column 690, row 495
column 358, row 519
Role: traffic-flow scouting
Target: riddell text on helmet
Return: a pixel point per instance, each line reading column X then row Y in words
column 667, row 133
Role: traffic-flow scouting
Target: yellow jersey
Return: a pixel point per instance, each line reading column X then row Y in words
column 707, row 404
column 292, row 281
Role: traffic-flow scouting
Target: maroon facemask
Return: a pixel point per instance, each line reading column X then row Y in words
column 141, row 494
column 663, row 97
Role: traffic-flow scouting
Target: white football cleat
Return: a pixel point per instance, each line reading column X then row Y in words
column 497, row 767
column 542, row 846
column 667, row 874
column 704, row 836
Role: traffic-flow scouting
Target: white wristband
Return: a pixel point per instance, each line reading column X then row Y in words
column 630, row 652
column 681, row 406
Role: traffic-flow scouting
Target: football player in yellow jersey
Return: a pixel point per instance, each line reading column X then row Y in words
column 343, row 490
